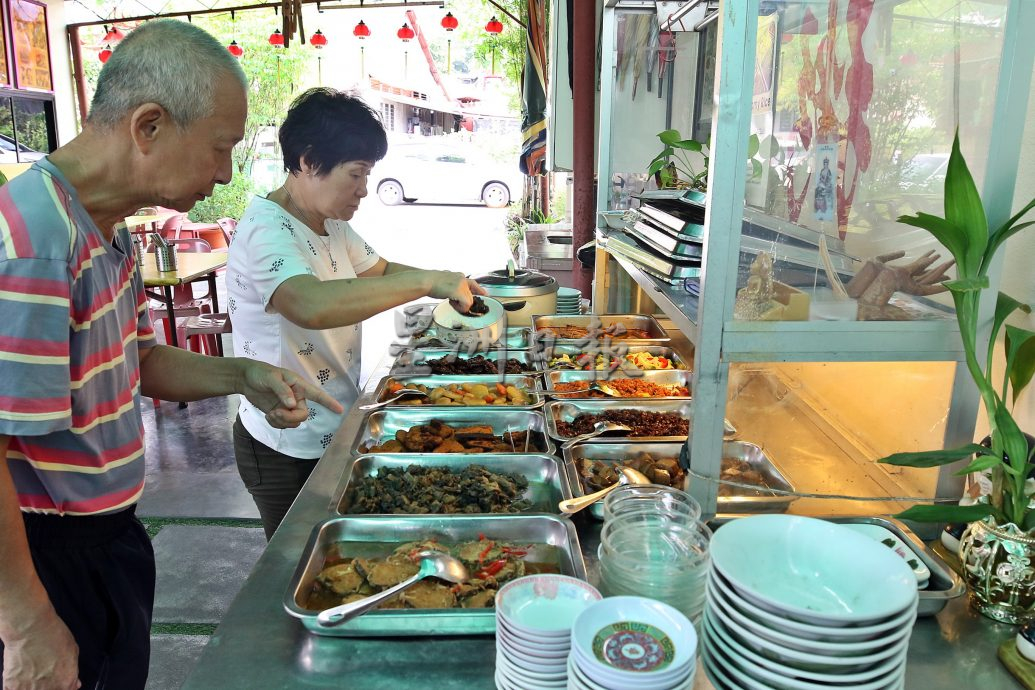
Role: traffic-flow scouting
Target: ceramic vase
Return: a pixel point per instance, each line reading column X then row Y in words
column 999, row 568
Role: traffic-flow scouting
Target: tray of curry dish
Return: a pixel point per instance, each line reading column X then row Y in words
column 495, row 390
column 348, row 558
column 673, row 384
column 564, row 328
column 466, row 430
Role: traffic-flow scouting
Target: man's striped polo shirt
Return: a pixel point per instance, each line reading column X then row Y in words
column 72, row 317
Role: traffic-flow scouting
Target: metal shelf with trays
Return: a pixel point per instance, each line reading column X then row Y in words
column 734, row 229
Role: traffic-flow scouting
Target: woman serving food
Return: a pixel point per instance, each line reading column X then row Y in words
column 301, row 281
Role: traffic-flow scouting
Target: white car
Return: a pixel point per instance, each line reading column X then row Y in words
column 436, row 173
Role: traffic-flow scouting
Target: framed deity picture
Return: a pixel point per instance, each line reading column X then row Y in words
column 31, row 45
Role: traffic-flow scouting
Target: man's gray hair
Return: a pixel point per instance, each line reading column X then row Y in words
column 164, row 61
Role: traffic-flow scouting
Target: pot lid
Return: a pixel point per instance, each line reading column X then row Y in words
column 519, row 283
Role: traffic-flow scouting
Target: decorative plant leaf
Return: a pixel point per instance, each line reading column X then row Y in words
column 1015, row 445
column 947, row 513
column 998, row 239
column 756, row 169
column 1029, row 521
column 669, row 136
column 984, row 462
column 934, row 458
column 656, row 165
column 1004, row 306
column 967, row 284
column 999, row 235
column 950, row 236
column 753, row 145
column 963, row 207
column 1020, row 358
column 687, row 144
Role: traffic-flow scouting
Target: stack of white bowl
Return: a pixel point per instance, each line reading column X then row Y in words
column 632, row 643
column 653, row 543
column 534, row 616
column 802, row 604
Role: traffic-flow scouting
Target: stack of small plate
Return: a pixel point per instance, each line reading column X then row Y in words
column 803, row 604
column 632, row 643
column 569, row 301
column 534, row 616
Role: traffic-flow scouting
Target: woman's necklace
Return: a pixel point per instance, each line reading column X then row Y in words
column 323, row 237
column 303, row 216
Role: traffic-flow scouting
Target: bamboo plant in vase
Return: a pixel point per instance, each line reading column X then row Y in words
column 998, row 547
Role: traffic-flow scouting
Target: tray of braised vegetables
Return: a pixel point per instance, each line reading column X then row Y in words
column 470, row 391
column 453, row 362
column 594, row 467
column 348, row 558
column 424, row 484
column 460, row 430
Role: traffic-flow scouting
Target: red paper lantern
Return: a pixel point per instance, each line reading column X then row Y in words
column 113, row 35
column 318, row 40
column 276, row 38
column 361, row 31
column 235, row 50
column 104, row 54
column 494, row 26
column 405, row 33
column 449, row 22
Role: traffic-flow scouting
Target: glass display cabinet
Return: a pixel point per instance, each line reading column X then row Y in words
column 817, row 324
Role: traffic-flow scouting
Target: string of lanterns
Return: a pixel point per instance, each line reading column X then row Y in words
column 112, row 35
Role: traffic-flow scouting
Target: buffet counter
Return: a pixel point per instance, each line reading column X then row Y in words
column 259, row 646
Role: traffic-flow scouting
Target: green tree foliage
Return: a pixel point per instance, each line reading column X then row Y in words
column 471, row 43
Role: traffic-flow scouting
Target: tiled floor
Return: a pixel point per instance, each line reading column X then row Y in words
column 204, row 525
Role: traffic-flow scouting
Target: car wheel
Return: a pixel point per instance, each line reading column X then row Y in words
column 390, row 193
column 496, row 195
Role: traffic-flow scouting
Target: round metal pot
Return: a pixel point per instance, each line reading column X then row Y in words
column 523, row 292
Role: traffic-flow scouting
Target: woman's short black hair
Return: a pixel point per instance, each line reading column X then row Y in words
column 329, row 127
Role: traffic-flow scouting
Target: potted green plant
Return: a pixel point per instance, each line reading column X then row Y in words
column 998, row 547
column 673, row 167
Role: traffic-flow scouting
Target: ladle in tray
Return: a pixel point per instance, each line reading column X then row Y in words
column 598, row 428
column 570, row 506
column 401, row 393
column 432, row 564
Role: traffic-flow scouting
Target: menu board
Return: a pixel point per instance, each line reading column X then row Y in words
column 31, row 45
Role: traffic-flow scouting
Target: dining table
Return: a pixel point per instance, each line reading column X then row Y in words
column 191, row 267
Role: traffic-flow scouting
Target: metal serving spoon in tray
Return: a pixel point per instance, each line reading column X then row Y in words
column 598, row 429
column 401, row 393
column 432, row 564
column 628, row 475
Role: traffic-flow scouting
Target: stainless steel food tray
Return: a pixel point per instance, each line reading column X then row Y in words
column 542, row 357
column 516, row 338
column 548, row 479
column 741, row 501
column 529, row 383
column 411, row 361
column 381, row 425
column 448, row 529
column 567, row 410
column 655, row 333
column 668, row 377
column 944, row 584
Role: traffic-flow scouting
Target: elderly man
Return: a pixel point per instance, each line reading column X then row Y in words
column 77, row 350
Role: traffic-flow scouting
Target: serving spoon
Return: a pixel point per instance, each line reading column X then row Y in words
column 432, row 564
column 401, row 393
column 627, row 475
column 593, row 386
column 598, row 428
